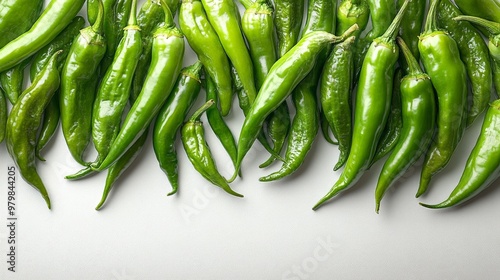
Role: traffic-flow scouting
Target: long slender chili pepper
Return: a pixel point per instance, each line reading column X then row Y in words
column 198, row 152
column 392, row 130
column 170, row 119
column 204, row 41
column 217, row 123
column 224, row 17
column 493, row 44
column 25, row 119
column 487, row 9
column 12, row 80
column 288, row 20
column 114, row 92
column 326, row 129
column 474, row 54
column 483, row 165
column 3, row 115
column 418, row 113
column 411, row 26
column 373, row 100
column 441, row 59
column 56, row 16
column 350, row 12
column 166, row 64
column 79, row 86
column 149, row 18
column 49, row 125
column 283, row 77
column 335, row 95
column 278, row 127
column 17, row 17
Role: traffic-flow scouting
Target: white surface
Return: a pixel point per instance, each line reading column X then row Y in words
column 203, row 233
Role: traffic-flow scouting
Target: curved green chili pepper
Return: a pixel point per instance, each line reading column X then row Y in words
column 63, row 41
column 350, row 12
column 288, row 20
column 170, row 119
column 224, row 17
column 12, row 80
column 325, row 129
column 217, row 123
column 487, row 9
column 373, row 101
column 411, row 26
column 493, row 44
column 278, row 127
column 483, row 165
column 198, row 152
column 56, row 16
column 418, row 113
column 49, row 125
column 17, row 17
column 3, row 115
column 204, row 41
column 149, row 18
column 25, row 119
column 474, row 54
column 394, row 124
column 166, row 64
column 441, row 59
column 79, row 86
column 283, row 77
column 335, row 95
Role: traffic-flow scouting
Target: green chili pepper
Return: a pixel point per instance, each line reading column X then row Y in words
column 487, row 9
column 217, row 123
column 393, row 127
column 352, row 12
column 17, row 17
column 25, row 119
column 3, row 115
column 49, row 125
column 79, row 85
column 166, row 64
column 224, row 17
column 56, row 16
column 441, row 59
column 325, row 129
column 335, row 90
column 373, row 101
column 483, row 165
column 278, row 127
column 63, row 41
column 493, row 29
column 283, row 77
column 204, row 41
column 198, row 152
column 288, row 20
column 12, row 80
column 474, row 54
column 113, row 93
column 149, row 18
column 411, row 26
column 170, row 119
column 418, row 113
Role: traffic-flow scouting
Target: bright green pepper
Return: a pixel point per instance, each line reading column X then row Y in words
column 288, row 20
column 411, row 26
column 49, row 125
column 12, row 80
column 17, row 16
column 487, row 9
column 3, row 115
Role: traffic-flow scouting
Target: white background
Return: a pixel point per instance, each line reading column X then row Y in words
column 272, row 233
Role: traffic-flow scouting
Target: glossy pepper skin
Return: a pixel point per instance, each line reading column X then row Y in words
column 3, row 115
column 288, row 20
column 441, row 59
column 12, row 80
column 224, row 17
column 198, row 152
column 411, row 26
column 419, row 120
column 474, row 54
column 335, row 95
column 170, row 119
column 350, row 12
column 49, row 125
column 79, row 86
column 483, row 165
column 24, row 120
column 149, row 18
column 283, row 77
column 217, row 123
column 203, row 39
column 166, row 64
column 487, row 9
column 493, row 29
column 373, row 101
column 17, row 17
column 56, row 16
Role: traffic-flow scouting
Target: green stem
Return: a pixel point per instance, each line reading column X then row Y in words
column 393, row 29
column 492, row 27
column 197, row 115
column 431, row 22
column 246, row 3
column 99, row 22
column 132, row 19
column 169, row 19
column 414, row 67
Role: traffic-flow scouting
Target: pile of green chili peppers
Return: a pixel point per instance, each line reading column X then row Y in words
column 402, row 91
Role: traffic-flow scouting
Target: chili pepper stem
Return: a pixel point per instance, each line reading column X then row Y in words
column 98, row 25
column 392, row 31
column 80, row 174
column 197, row 114
column 492, row 27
